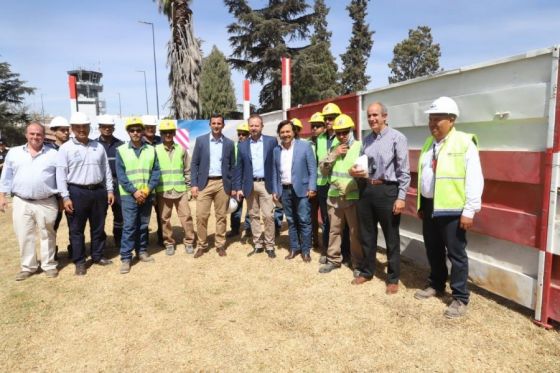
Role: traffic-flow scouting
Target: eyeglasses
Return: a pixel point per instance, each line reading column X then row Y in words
column 317, row 125
column 165, row 133
column 342, row 133
column 135, row 130
column 242, row 134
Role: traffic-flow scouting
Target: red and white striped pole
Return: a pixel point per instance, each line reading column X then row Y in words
column 246, row 100
column 73, row 95
column 286, row 87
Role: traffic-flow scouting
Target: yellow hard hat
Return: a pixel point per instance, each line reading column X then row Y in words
column 331, row 109
column 343, row 122
column 167, row 125
column 296, row 122
column 133, row 121
column 317, row 118
column 243, row 126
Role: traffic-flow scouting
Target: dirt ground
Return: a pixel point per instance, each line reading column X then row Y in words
column 237, row 313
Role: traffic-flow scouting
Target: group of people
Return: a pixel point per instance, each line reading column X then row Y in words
column 352, row 185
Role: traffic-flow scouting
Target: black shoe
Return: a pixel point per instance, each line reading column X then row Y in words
column 103, row 262
column 231, row 234
column 271, row 254
column 248, row 233
column 80, row 269
column 256, row 250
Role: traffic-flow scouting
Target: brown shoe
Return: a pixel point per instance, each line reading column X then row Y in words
column 199, row 253
column 360, row 280
column 392, row 289
column 292, row 255
column 306, row 258
column 221, row 252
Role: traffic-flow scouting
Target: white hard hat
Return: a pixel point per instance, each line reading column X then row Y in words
column 232, row 206
column 443, row 105
column 79, row 118
column 59, row 122
column 149, row 120
column 106, row 119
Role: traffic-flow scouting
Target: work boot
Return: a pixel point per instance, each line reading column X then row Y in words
column 23, row 275
column 455, row 310
column 80, row 269
column 189, row 249
column 169, row 250
column 323, row 259
column 51, row 273
column 328, row 267
column 145, row 257
column 428, row 292
column 125, row 266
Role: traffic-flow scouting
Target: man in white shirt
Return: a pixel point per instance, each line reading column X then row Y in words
column 450, row 184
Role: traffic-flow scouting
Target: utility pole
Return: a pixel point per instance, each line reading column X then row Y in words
column 120, row 109
column 145, row 89
column 155, row 64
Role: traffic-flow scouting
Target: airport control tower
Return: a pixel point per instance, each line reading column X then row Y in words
column 85, row 86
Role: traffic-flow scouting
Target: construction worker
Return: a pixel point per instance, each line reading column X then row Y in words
column 298, row 126
column 235, row 218
column 174, row 187
column 150, row 138
column 138, row 173
column 343, row 194
column 84, row 179
column 450, row 184
column 317, row 122
column 106, row 125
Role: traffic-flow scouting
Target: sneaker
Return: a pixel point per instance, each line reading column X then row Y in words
column 427, row 293
column 323, row 259
column 455, row 310
column 145, row 257
column 328, row 267
column 51, row 273
column 23, row 275
column 169, row 250
column 189, row 249
column 125, row 266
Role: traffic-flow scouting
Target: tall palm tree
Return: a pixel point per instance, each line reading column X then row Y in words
column 183, row 57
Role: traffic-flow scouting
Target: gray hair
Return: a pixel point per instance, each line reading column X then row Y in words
column 35, row 123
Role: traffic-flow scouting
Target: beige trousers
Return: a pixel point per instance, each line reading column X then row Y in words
column 260, row 202
column 213, row 192
column 338, row 218
column 28, row 216
column 165, row 208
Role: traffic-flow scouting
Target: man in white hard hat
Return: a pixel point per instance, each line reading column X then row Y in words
column 450, row 184
column 110, row 143
column 34, row 200
column 84, row 179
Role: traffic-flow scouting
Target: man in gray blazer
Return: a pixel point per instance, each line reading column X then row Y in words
column 295, row 181
column 212, row 167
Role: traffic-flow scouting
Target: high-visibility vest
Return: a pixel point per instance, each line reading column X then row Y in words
column 449, row 189
column 342, row 184
column 321, row 152
column 172, row 170
column 137, row 169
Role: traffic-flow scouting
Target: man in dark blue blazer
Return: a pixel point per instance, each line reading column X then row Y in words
column 295, row 181
column 212, row 169
column 254, row 181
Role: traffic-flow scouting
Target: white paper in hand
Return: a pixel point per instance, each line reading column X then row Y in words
column 362, row 162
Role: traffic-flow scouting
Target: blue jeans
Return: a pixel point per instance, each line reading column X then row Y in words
column 298, row 214
column 135, row 228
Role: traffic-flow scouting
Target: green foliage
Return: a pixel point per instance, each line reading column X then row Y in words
column 315, row 73
column 216, row 93
column 13, row 114
column 355, row 59
column 259, row 39
column 415, row 56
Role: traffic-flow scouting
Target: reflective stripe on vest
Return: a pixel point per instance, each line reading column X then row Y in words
column 449, row 189
column 137, row 169
column 172, row 170
column 342, row 184
column 321, row 152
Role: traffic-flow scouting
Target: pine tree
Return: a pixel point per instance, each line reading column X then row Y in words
column 315, row 71
column 216, row 94
column 355, row 59
column 260, row 39
column 13, row 114
column 415, row 56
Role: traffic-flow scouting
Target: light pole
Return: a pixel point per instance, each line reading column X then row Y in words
column 120, row 109
column 145, row 89
column 155, row 65
column 42, row 109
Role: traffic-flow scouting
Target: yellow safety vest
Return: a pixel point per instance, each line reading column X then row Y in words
column 172, row 170
column 137, row 169
column 342, row 184
column 321, row 151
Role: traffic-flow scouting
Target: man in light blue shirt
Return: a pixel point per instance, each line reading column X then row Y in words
column 29, row 175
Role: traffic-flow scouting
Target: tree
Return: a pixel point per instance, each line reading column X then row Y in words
column 13, row 114
column 184, row 59
column 259, row 40
column 216, row 88
column 355, row 59
column 415, row 56
column 315, row 71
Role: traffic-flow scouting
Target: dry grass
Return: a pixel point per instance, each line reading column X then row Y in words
column 250, row 314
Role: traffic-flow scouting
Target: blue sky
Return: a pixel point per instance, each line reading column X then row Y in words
column 44, row 39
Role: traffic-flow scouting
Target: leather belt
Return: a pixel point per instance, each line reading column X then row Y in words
column 88, row 187
column 381, row 182
column 34, row 199
column 258, row 179
column 214, row 178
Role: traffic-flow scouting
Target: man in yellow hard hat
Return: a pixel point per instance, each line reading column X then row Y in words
column 174, row 186
column 343, row 194
column 235, row 218
column 138, row 173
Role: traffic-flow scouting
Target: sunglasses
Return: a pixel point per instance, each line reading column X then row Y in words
column 317, row 125
column 242, row 134
column 135, row 130
column 164, row 133
column 342, row 133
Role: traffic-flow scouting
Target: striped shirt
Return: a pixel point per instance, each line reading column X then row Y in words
column 387, row 154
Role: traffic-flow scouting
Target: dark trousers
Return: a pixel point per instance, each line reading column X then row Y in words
column 158, row 219
column 89, row 205
column 376, row 206
column 298, row 215
column 235, row 221
column 117, row 217
column 322, row 196
column 315, row 220
column 441, row 233
column 135, row 229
